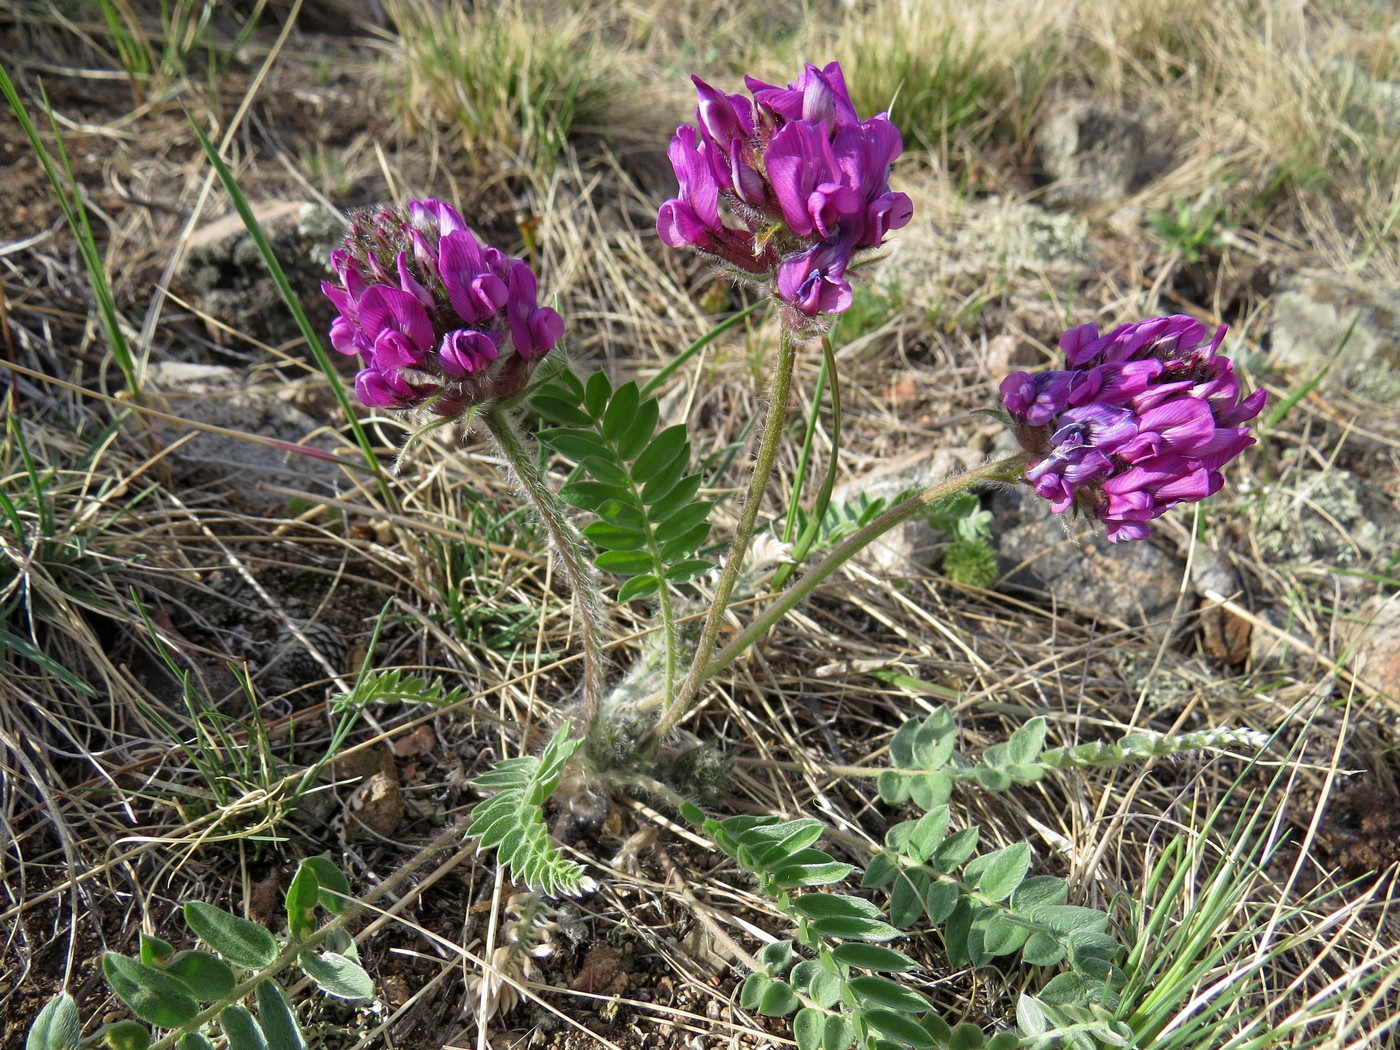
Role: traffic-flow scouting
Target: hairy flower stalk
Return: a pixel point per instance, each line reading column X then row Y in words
column 439, row 320
column 1141, row 422
column 743, row 533
column 568, row 545
column 788, row 189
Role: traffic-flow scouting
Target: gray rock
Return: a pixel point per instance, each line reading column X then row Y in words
column 227, row 272
column 1133, row 583
column 1311, row 319
column 223, row 397
column 1094, row 153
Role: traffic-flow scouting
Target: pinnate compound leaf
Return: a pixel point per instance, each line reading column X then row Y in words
column 514, row 816
column 57, row 1027
column 336, row 975
column 241, row 942
column 152, row 995
column 278, row 1020
column 873, row 957
column 333, row 888
column 901, row 1028
column 207, row 976
column 195, row 1041
column 241, row 1029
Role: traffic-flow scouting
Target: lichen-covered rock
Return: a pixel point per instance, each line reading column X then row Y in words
column 1313, row 322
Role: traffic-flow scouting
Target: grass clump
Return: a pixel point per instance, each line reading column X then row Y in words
column 514, row 81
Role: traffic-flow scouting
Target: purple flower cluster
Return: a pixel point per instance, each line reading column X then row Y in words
column 437, row 318
column 1142, row 421
column 785, row 187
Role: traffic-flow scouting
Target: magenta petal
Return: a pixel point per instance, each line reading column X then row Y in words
column 411, row 284
column 678, row 226
column 467, row 352
column 382, row 307
column 346, row 337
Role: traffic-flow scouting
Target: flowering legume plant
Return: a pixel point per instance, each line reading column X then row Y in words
column 787, row 190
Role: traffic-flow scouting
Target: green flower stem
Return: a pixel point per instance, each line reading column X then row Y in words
column 1004, row 469
column 814, row 523
column 734, row 561
column 569, row 546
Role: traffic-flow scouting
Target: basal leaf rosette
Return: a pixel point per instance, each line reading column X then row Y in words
column 788, row 188
column 1141, row 421
column 439, row 320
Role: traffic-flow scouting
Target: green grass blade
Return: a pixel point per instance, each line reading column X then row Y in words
column 65, row 187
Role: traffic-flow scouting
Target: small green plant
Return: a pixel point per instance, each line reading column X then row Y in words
column 232, row 988
column 1187, row 229
column 54, row 546
column 165, row 52
column 471, row 595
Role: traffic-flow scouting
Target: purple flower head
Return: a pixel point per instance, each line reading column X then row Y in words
column 438, row 319
column 786, row 188
column 1141, row 422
